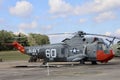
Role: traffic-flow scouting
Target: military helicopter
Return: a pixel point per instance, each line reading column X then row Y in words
column 76, row 49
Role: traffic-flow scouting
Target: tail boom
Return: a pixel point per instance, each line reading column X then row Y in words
column 19, row 47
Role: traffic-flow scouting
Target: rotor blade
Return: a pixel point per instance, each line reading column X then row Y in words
column 14, row 39
column 102, row 35
column 59, row 33
column 19, row 37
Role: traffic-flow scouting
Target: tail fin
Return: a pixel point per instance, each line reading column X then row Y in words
column 18, row 46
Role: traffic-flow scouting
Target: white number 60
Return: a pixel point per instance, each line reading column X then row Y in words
column 50, row 53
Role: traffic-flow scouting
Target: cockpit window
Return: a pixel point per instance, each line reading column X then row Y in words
column 103, row 46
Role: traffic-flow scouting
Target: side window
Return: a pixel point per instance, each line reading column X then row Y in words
column 62, row 50
column 118, row 52
column 99, row 47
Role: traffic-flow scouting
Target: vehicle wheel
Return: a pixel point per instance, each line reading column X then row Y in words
column 82, row 62
column 32, row 59
column 94, row 62
column 44, row 62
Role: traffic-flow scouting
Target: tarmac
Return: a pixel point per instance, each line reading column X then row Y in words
column 22, row 70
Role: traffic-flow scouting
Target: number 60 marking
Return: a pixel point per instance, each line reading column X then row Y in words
column 50, row 53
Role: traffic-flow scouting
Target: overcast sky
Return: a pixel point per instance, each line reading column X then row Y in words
column 60, row 16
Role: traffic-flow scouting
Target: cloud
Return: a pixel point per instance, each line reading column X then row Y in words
column 21, row 9
column 24, row 26
column 118, row 32
column 82, row 20
column 1, row 2
column 98, row 6
column 115, row 33
column 60, row 7
column 108, row 33
column 105, row 16
column 2, row 20
column 46, row 28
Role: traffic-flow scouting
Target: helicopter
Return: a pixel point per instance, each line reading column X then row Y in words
column 76, row 49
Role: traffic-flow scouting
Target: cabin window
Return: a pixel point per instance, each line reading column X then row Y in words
column 118, row 52
column 99, row 47
column 62, row 50
column 104, row 47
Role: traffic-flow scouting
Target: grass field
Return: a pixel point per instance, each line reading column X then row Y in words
column 12, row 55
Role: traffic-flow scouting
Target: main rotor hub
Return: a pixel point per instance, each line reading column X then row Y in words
column 81, row 33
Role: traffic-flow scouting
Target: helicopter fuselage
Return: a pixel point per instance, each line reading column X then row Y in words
column 78, row 48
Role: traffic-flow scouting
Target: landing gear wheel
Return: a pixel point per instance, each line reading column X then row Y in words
column 82, row 62
column 45, row 61
column 33, row 59
column 94, row 63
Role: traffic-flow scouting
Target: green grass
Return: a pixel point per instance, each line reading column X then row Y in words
column 13, row 55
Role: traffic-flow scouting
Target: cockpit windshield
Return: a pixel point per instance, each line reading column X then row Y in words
column 103, row 46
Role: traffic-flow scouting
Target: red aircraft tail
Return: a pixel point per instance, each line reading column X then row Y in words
column 18, row 46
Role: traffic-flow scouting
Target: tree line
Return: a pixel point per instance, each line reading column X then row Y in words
column 32, row 39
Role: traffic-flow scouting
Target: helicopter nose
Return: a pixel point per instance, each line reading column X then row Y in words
column 104, row 57
column 111, row 55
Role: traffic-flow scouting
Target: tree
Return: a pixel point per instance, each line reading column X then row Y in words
column 6, row 38
column 22, row 39
column 38, row 39
column 31, row 41
column 26, row 40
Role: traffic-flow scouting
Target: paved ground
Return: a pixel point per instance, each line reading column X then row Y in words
column 109, row 71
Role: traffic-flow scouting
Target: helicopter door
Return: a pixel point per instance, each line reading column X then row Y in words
column 91, row 51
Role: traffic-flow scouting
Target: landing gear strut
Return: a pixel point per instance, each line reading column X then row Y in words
column 33, row 59
column 82, row 62
column 45, row 61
